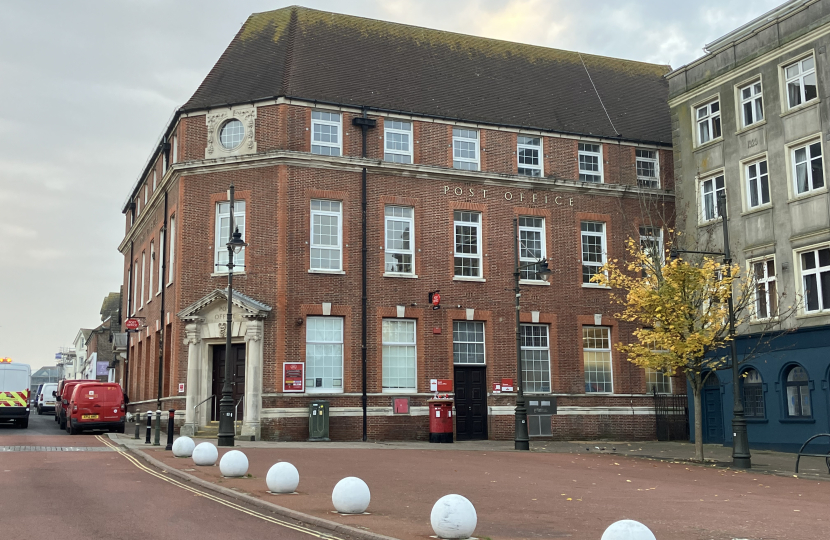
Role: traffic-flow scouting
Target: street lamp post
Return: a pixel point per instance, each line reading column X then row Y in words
column 227, row 430
column 741, row 457
column 521, row 439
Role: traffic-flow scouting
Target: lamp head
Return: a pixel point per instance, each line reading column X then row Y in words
column 673, row 254
column 236, row 243
column 544, row 270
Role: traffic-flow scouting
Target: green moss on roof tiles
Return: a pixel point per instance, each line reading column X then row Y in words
column 277, row 23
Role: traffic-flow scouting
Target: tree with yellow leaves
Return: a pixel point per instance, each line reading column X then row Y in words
column 681, row 306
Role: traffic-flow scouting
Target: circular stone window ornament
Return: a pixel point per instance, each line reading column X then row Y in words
column 231, row 134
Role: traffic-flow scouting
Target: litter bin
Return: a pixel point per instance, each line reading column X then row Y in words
column 440, row 421
column 318, row 421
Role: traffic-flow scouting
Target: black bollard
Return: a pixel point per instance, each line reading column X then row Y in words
column 157, row 439
column 149, row 426
column 172, row 413
column 137, row 420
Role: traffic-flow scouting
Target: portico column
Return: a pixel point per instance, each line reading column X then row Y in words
column 253, row 380
column 194, row 363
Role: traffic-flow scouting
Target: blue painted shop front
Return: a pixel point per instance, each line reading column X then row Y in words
column 784, row 388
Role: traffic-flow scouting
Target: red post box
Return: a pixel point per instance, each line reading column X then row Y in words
column 440, row 421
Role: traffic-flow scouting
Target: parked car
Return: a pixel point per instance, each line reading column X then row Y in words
column 96, row 406
column 14, row 393
column 65, row 396
column 45, row 398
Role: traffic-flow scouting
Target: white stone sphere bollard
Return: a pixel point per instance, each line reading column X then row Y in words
column 233, row 464
column 183, row 447
column 453, row 517
column 205, row 454
column 282, row 478
column 628, row 529
column 351, row 496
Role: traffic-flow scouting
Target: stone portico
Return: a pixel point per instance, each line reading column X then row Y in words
column 206, row 328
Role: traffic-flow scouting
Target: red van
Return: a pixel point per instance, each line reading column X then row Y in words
column 64, row 394
column 96, row 405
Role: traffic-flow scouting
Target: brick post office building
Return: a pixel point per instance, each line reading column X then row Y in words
column 464, row 135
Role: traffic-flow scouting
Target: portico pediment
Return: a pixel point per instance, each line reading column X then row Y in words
column 213, row 307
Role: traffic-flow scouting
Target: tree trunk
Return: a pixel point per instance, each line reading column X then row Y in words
column 696, row 393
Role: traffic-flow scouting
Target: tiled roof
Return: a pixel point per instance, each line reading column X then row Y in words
column 315, row 55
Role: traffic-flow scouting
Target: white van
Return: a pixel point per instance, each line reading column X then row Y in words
column 45, row 399
column 15, row 381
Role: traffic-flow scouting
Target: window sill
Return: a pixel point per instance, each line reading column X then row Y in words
column 756, row 209
column 323, row 392
column 814, row 314
column 599, row 393
column 797, row 421
column 757, row 420
column 533, row 282
column 149, row 300
column 709, row 222
column 708, row 144
column 797, row 108
column 396, row 275
column 332, row 272
column 467, row 278
column 399, row 391
column 807, row 194
column 595, row 286
column 169, row 283
column 225, row 274
column 647, row 180
column 750, row 127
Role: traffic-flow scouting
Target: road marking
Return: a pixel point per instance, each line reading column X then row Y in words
column 54, row 449
column 240, row 508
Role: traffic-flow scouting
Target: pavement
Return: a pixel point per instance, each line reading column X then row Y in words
column 558, row 490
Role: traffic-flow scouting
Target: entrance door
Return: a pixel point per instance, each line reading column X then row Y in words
column 470, row 403
column 712, row 411
column 238, row 381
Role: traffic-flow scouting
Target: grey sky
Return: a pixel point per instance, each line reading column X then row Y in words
column 87, row 86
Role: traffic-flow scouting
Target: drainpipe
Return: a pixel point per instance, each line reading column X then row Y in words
column 364, row 123
column 165, row 147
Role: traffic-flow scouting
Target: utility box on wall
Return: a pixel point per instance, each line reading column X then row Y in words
column 318, row 421
column 539, row 412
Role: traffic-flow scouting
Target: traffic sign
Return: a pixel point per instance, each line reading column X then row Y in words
column 131, row 324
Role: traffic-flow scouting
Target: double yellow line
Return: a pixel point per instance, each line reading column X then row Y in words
column 237, row 507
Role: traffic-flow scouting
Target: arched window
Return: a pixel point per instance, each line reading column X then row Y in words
column 798, row 393
column 752, row 390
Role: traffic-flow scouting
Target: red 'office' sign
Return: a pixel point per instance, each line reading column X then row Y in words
column 293, row 377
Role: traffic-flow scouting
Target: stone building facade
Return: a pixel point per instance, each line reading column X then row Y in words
column 469, row 135
column 749, row 119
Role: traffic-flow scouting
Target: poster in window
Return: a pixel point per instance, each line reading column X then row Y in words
column 293, row 377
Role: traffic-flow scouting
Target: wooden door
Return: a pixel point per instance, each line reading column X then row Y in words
column 470, row 403
column 238, row 381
